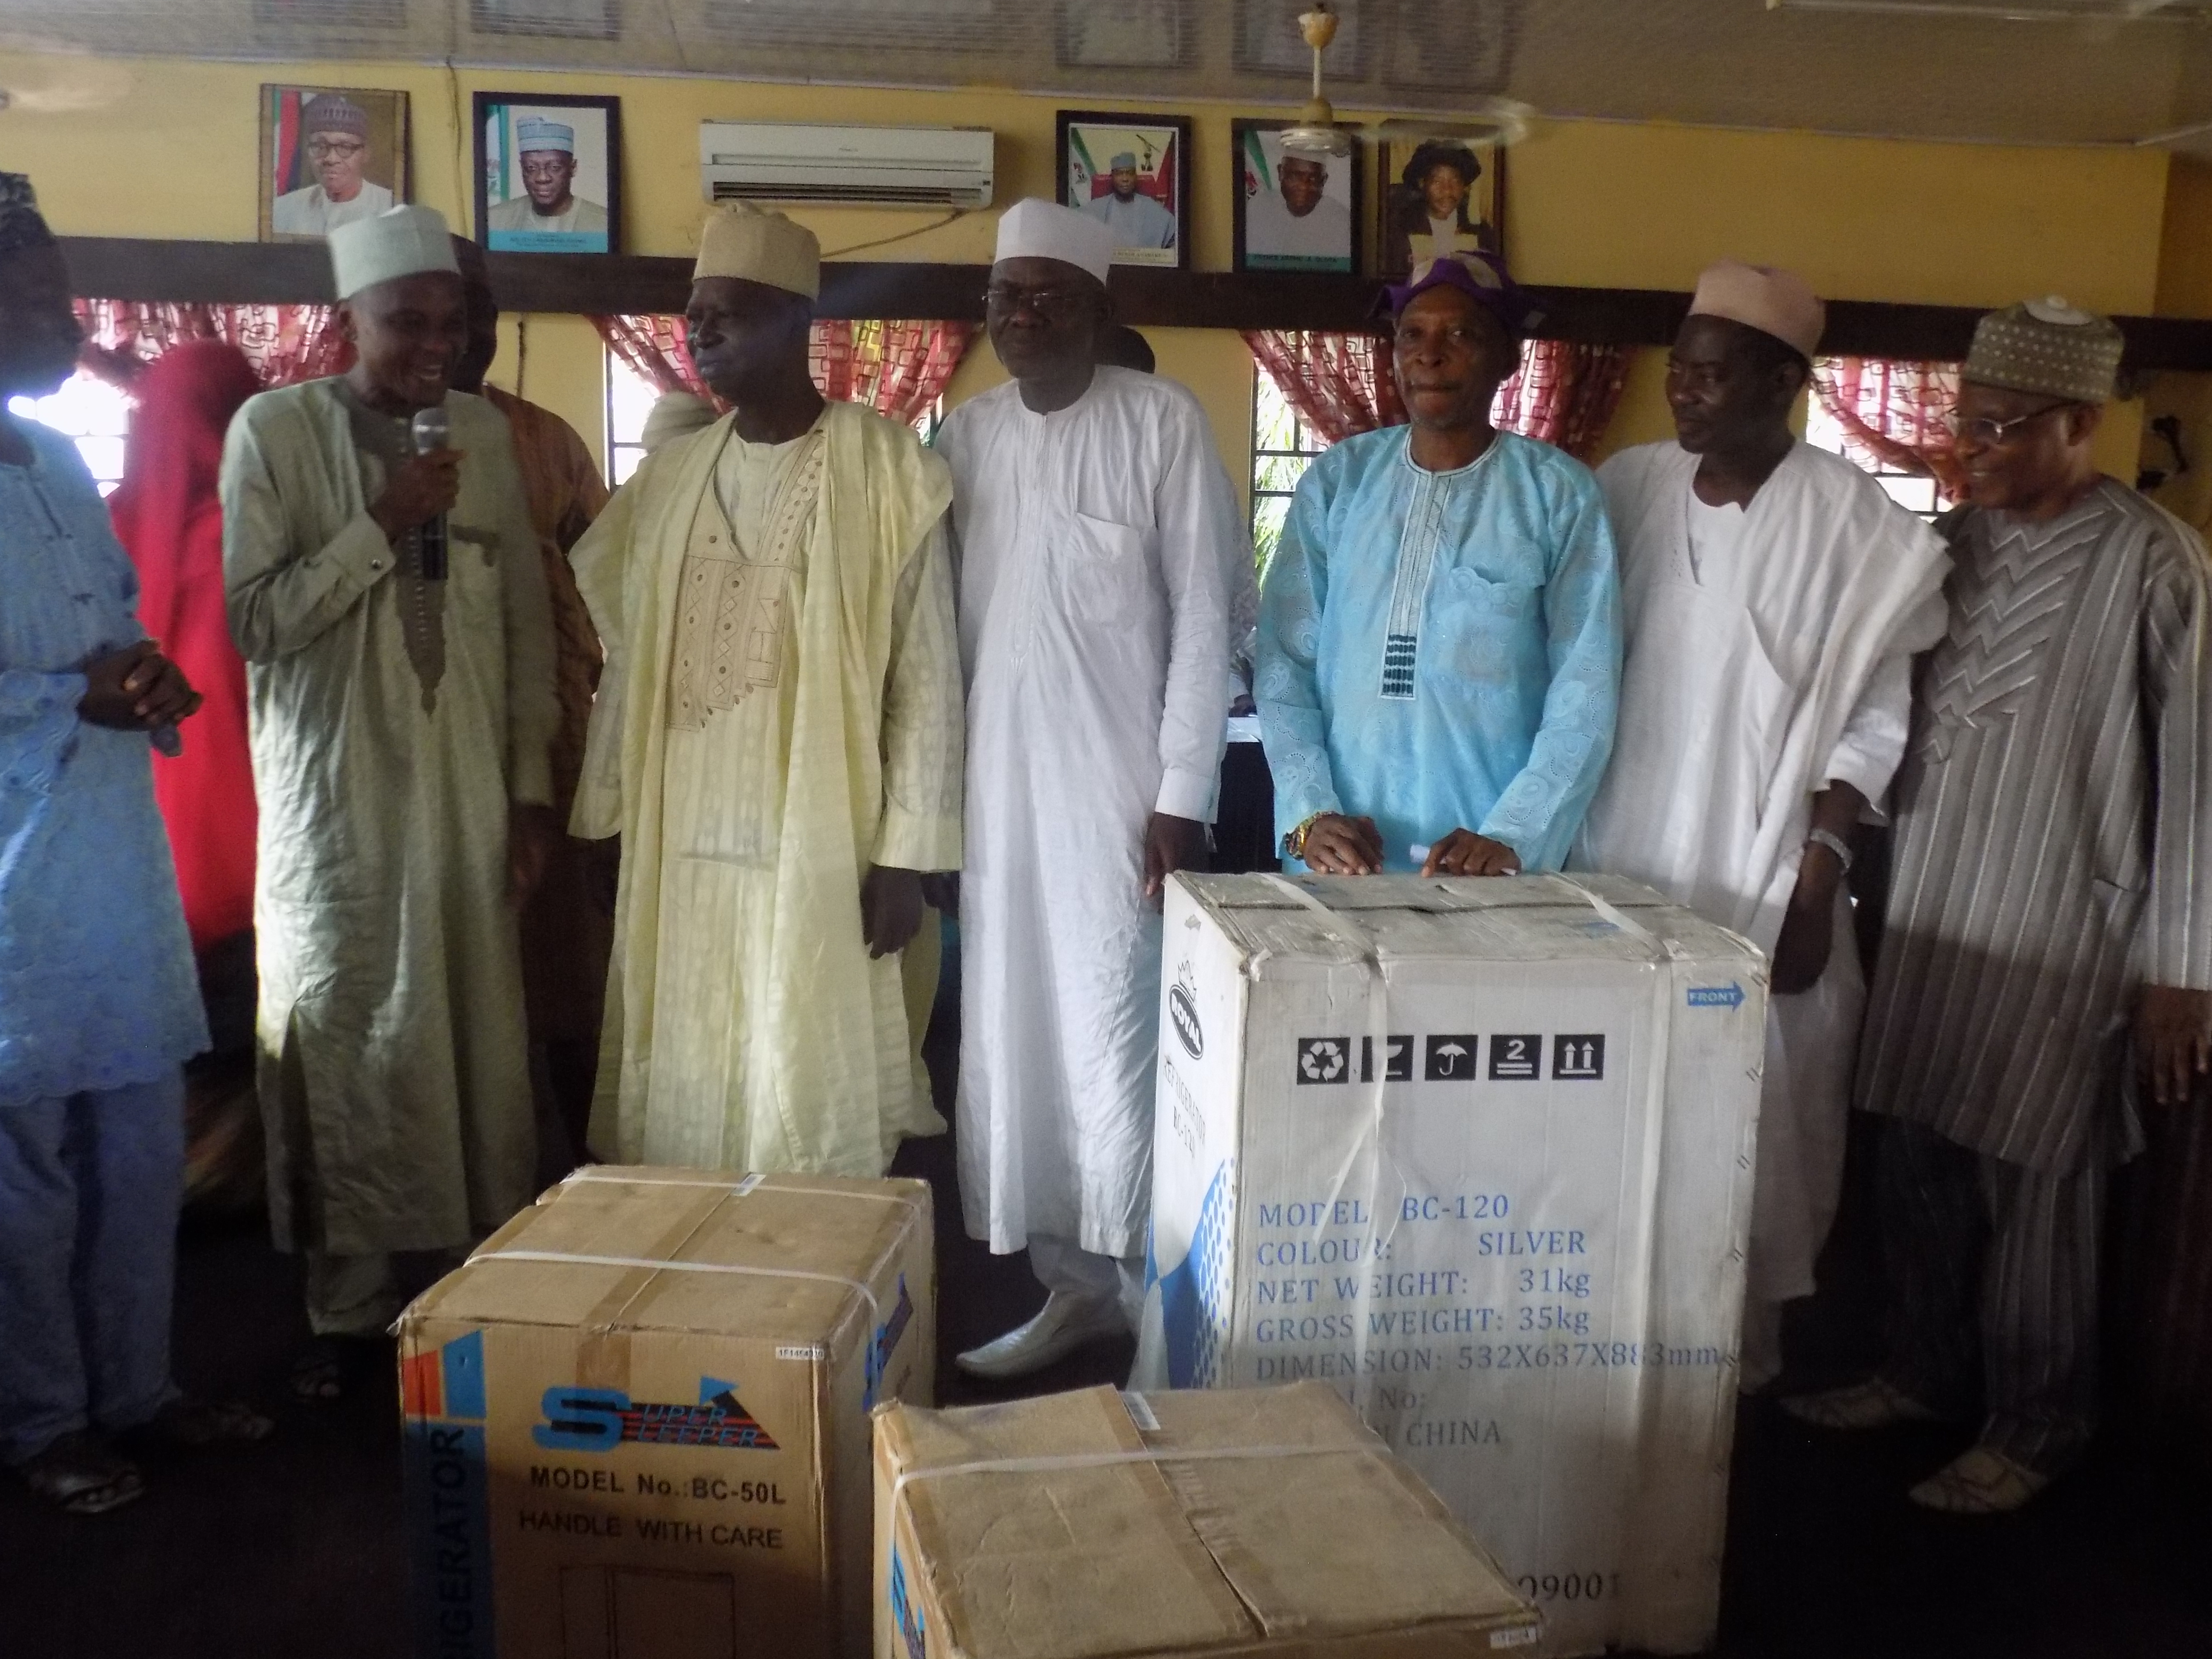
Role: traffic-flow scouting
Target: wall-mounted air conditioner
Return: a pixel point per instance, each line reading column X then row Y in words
column 859, row 167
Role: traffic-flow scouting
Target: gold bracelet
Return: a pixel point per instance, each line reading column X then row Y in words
column 1294, row 844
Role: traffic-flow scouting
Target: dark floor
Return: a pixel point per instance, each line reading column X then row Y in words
column 292, row 1548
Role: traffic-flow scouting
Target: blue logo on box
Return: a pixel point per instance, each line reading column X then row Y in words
column 1716, row 996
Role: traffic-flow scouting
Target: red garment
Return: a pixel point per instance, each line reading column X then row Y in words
column 169, row 520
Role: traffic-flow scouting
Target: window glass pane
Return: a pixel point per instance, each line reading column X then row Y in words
column 1274, row 424
column 92, row 412
column 630, row 398
column 622, row 461
column 1269, row 513
column 1278, row 472
column 1915, row 494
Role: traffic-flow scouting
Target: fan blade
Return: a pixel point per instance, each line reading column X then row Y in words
column 1500, row 122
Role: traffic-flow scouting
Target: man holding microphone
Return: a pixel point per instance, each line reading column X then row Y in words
column 390, row 607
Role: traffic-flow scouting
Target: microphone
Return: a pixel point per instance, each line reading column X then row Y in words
column 429, row 433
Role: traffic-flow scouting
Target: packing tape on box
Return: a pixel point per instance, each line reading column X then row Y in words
column 906, row 1478
column 578, row 1260
column 738, row 1189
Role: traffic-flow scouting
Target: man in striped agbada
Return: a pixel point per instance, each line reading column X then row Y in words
column 2046, row 924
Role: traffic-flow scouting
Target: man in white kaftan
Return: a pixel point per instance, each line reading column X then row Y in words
column 1774, row 597
column 400, row 724
column 1101, row 561
column 777, row 742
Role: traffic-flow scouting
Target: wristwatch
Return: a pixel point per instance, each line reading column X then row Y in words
column 1294, row 843
column 1834, row 842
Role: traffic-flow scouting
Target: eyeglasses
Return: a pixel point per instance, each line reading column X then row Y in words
column 1004, row 300
column 344, row 149
column 1990, row 433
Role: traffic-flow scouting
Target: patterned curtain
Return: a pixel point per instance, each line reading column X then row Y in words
column 285, row 344
column 1339, row 384
column 898, row 369
column 654, row 347
column 1892, row 414
column 1564, row 392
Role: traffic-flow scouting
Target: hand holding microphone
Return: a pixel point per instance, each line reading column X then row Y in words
column 420, row 491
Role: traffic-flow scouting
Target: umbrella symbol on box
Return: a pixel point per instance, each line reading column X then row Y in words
column 1322, row 1060
column 1450, row 1057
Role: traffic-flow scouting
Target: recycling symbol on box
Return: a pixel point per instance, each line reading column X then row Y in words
column 1323, row 1059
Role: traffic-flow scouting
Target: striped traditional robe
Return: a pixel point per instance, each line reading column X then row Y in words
column 2054, row 825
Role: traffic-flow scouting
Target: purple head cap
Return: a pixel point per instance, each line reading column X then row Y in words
column 1481, row 276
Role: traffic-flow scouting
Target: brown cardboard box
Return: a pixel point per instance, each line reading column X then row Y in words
column 636, row 1420
column 1260, row 1522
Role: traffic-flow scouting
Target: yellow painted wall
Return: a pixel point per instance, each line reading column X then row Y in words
column 1587, row 203
column 2184, row 289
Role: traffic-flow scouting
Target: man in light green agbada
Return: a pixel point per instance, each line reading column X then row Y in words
column 400, row 720
column 776, row 742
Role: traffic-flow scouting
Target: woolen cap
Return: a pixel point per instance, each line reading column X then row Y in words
column 328, row 113
column 400, row 241
column 2046, row 346
column 757, row 245
column 21, row 224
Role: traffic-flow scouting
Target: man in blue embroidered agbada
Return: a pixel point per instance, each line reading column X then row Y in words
column 1439, row 642
column 98, row 1004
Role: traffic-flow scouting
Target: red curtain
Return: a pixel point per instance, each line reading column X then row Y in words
column 1339, row 384
column 654, row 347
column 1564, row 393
column 898, row 369
column 1892, row 413
column 285, row 344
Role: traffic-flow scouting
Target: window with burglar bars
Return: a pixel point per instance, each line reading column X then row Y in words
column 1283, row 446
column 94, row 414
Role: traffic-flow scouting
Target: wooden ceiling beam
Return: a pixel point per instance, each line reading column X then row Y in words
column 299, row 273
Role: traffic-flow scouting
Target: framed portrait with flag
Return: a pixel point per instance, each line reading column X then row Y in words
column 1294, row 212
column 549, row 174
column 329, row 155
column 1134, row 172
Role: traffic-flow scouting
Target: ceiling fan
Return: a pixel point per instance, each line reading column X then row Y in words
column 59, row 80
column 1316, row 136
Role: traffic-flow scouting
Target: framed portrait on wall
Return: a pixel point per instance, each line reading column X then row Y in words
column 1294, row 212
column 1439, row 195
column 549, row 174
column 329, row 155
column 1134, row 172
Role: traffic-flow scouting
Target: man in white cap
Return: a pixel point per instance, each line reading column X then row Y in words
column 400, row 718
column 1101, row 560
column 545, row 156
column 1135, row 219
column 2054, row 817
column 1773, row 596
column 776, row 741
column 335, row 139
column 1298, row 226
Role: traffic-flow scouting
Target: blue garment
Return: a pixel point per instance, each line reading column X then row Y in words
column 90, row 1185
column 96, row 979
column 1441, row 651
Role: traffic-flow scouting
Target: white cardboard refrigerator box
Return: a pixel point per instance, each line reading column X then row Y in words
column 1479, row 1154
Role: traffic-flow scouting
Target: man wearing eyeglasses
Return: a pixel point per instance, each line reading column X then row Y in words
column 1101, row 563
column 336, row 145
column 2048, row 911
